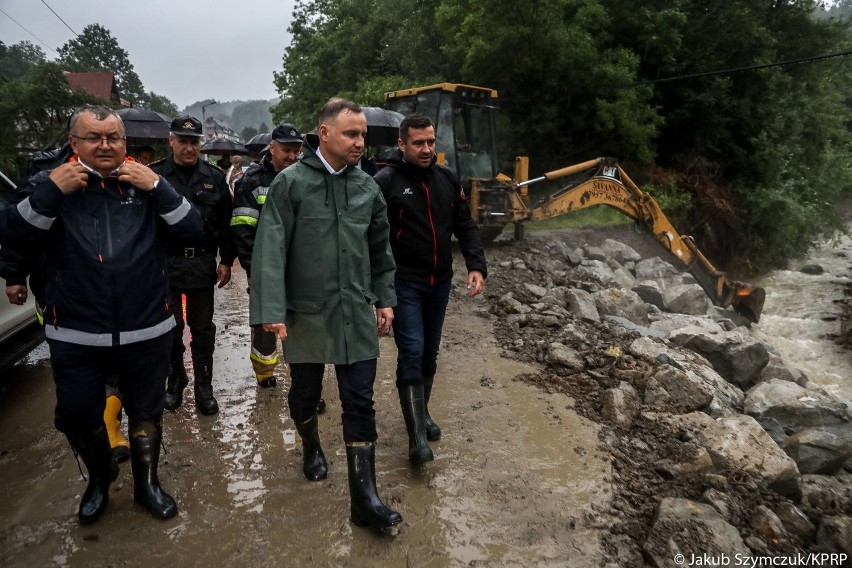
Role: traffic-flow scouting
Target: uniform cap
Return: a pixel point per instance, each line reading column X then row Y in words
column 186, row 125
column 286, row 133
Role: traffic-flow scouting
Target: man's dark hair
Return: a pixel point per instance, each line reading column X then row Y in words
column 334, row 107
column 101, row 113
column 416, row 120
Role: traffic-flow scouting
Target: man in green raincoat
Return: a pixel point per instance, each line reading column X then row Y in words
column 322, row 279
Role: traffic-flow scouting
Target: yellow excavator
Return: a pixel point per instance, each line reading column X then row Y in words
column 467, row 144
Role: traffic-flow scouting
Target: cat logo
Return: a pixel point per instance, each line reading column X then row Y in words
column 610, row 172
column 407, row 191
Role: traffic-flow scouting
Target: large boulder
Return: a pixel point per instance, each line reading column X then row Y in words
column 621, row 405
column 675, row 530
column 654, row 268
column 619, row 251
column 686, row 299
column 622, row 303
column 824, row 495
column 561, row 355
column 594, row 271
column 776, row 368
column 737, row 442
column 670, row 389
column 834, row 536
column 736, row 356
column 582, row 305
column 784, row 405
column 818, row 450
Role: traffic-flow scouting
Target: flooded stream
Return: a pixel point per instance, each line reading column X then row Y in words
column 803, row 315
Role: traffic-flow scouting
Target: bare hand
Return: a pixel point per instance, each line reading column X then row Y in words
column 69, row 177
column 280, row 329
column 384, row 317
column 137, row 175
column 223, row 274
column 475, row 283
column 17, row 294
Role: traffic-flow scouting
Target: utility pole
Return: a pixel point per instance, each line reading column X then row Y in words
column 204, row 117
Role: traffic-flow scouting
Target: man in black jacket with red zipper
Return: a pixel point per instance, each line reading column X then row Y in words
column 426, row 206
column 193, row 269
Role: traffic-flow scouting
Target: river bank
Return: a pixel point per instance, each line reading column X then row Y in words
column 712, row 433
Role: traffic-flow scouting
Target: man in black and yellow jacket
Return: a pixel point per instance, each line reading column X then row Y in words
column 193, row 270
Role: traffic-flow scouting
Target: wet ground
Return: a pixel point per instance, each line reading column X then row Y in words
column 516, row 475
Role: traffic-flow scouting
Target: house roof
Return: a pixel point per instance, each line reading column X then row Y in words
column 99, row 83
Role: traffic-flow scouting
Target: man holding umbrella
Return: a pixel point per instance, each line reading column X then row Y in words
column 192, row 267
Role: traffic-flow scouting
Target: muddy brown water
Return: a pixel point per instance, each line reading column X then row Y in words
column 515, row 479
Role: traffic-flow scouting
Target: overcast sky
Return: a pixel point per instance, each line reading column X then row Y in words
column 186, row 50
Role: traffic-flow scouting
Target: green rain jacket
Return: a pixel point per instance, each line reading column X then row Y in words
column 322, row 263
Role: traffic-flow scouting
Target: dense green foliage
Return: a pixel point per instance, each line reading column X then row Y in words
column 753, row 163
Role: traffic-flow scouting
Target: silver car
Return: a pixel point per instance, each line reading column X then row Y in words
column 20, row 330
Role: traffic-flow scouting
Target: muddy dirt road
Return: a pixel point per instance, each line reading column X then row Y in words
column 516, row 478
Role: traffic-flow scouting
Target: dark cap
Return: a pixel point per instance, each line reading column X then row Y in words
column 286, row 133
column 186, row 125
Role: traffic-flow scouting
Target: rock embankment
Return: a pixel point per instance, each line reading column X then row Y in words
column 719, row 446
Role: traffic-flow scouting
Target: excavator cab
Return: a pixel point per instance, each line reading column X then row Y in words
column 464, row 125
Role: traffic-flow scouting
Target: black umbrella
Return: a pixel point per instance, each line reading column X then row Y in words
column 223, row 147
column 144, row 126
column 258, row 142
column 382, row 126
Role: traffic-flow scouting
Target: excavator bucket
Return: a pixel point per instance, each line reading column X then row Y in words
column 748, row 301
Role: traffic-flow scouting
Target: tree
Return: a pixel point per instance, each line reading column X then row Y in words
column 161, row 104
column 373, row 46
column 96, row 50
column 753, row 147
column 757, row 158
column 19, row 59
column 560, row 102
column 34, row 111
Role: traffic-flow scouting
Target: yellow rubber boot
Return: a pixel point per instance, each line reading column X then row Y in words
column 119, row 444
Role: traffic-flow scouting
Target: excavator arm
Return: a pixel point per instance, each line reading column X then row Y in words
column 602, row 182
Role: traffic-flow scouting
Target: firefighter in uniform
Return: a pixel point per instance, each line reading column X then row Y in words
column 193, row 271
column 249, row 196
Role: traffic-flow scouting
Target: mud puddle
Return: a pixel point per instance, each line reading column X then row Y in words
column 515, row 477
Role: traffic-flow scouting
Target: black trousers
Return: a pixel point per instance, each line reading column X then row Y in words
column 355, row 385
column 81, row 371
column 199, row 317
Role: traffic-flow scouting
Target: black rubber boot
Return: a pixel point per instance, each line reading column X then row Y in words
column 366, row 507
column 175, row 384
column 205, row 402
column 93, row 448
column 145, row 438
column 314, row 465
column 433, row 431
column 414, row 411
column 321, row 406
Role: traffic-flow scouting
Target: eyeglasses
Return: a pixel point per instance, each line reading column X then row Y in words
column 112, row 140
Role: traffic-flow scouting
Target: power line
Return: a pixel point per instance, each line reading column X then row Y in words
column 28, row 31
column 60, row 18
column 749, row 68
